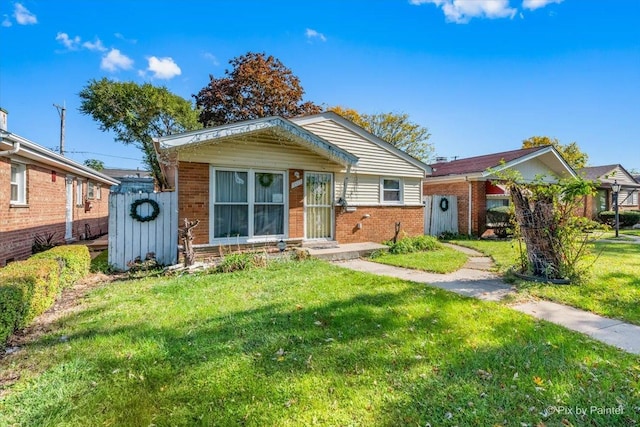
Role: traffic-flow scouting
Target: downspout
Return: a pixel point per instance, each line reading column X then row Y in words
column 343, row 198
column 469, row 207
column 14, row 150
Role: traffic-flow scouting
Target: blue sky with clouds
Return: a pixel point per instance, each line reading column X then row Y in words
column 482, row 75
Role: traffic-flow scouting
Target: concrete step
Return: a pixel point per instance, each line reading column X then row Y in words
column 343, row 252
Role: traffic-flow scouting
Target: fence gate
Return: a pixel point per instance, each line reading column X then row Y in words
column 130, row 238
column 440, row 214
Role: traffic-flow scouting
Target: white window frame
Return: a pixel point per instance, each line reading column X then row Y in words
column 99, row 192
column 79, row 194
column 91, row 190
column 251, row 204
column 400, row 190
column 20, row 182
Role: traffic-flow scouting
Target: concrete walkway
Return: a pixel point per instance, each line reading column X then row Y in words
column 475, row 280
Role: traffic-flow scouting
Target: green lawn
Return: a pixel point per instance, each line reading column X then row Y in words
column 441, row 260
column 613, row 290
column 309, row 343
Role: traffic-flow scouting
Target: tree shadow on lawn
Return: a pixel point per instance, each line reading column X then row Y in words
column 409, row 353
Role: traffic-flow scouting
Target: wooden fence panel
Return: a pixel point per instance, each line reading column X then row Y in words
column 441, row 214
column 130, row 238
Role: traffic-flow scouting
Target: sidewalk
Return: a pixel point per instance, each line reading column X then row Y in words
column 474, row 280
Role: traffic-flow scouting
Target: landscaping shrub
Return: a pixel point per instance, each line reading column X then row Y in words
column 74, row 261
column 626, row 218
column 27, row 289
column 237, row 261
column 500, row 220
column 413, row 244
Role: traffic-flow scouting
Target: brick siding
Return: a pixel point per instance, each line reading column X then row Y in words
column 45, row 211
column 377, row 223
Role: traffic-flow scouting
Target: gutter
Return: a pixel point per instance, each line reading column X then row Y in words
column 14, row 150
column 469, row 207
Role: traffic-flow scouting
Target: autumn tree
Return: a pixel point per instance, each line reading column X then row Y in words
column 94, row 164
column 257, row 86
column 575, row 157
column 396, row 129
column 137, row 114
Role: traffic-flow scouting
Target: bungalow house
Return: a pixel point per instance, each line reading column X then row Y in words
column 605, row 176
column 472, row 181
column 318, row 178
column 45, row 195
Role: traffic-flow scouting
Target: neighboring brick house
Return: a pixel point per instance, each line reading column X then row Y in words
column 472, row 181
column 43, row 193
column 316, row 178
column 605, row 176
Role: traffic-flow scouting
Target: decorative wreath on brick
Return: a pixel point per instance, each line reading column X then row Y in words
column 444, row 204
column 154, row 213
column 265, row 179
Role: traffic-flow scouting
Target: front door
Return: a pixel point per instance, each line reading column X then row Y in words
column 318, row 205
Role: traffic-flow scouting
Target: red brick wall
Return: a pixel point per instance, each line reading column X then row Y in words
column 45, row 212
column 296, row 205
column 461, row 191
column 193, row 198
column 380, row 225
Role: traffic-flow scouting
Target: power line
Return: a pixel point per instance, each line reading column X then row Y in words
column 100, row 154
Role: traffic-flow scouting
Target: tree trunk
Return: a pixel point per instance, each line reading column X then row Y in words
column 538, row 230
column 187, row 242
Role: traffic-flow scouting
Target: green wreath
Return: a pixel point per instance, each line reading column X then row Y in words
column 444, row 204
column 265, row 179
column 134, row 210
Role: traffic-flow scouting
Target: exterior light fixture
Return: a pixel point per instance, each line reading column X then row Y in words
column 282, row 245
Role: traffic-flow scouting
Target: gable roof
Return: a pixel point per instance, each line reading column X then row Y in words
column 30, row 150
column 335, row 117
column 608, row 174
column 482, row 167
column 273, row 124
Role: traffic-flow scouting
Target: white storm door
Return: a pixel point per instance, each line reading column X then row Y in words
column 318, row 205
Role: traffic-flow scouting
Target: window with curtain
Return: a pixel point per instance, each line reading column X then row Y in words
column 268, row 208
column 231, row 210
column 79, row 200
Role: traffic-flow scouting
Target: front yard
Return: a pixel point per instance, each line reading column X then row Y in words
column 612, row 291
column 304, row 343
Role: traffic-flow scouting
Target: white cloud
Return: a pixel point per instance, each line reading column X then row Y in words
column 313, row 34
column 122, row 37
column 68, row 42
column 6, row 22
column 462, row 11
column 163, row 68
column 95, row 46
column 23, row 16
column 115, row 60
column 537, row 4
column 211, row 57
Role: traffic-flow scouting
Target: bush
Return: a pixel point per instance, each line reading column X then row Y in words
column 626, row 218
column 27, row 289
column 413, row 244
column 237, row 261
column 500, row 220
column 74, row 261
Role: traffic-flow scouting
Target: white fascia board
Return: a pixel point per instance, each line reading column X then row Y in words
column 568, row 169
column 454, row 178
column 302, row 136
column 33, row 151
column 329, row 115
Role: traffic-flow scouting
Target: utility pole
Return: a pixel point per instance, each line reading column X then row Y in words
column 62, row 112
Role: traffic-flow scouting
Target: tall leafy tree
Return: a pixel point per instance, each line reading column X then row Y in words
column 576, row 158
column 137, row 113
column 94, row 164
column 396, row 129
column 257, row 86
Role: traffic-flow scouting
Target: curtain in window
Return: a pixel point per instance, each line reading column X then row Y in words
column 268, row 219
column 231, row 210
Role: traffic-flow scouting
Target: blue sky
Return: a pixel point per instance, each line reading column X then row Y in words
column 482, row 75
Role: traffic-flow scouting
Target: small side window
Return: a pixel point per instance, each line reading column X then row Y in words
column 391, row 190
column 18, row 183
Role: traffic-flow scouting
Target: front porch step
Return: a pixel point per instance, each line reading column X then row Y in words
column 344, row 252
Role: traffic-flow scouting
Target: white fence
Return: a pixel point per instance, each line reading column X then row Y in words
column 130, row 238
column 440, row 214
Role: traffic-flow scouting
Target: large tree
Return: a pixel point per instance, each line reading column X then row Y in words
column 94, row 164
column 393, row 128
column 257, row 86
column 137, row 113
column 576, row 158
